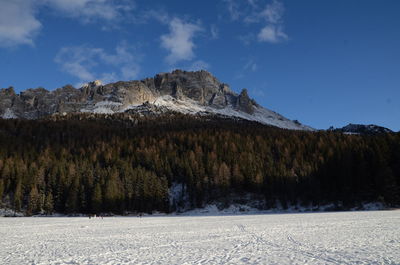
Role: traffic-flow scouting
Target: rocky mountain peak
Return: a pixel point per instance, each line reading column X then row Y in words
column 370, row 129
column 200, row 86
column 95, row 83
column 196, row 92
column 244, row 102
column 7, row 91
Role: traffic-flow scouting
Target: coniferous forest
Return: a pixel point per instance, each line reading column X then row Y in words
column 126, row 163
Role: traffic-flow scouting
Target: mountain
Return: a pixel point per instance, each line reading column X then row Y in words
column 196, row 93
column 370, row 129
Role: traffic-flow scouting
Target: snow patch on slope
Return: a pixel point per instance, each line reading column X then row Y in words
column 263, row 116
column 107, row 104
column 99, row 110
column 186, row 106
column 192, row 107
column 260, row 114
column 102, row 110
column 103, row 107
column 9, row 114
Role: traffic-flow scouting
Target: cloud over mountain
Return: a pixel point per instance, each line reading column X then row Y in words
column 179, row 41
column 20, row 23
column 83, row 62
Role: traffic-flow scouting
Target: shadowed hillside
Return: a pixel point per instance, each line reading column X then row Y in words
column 122, row 162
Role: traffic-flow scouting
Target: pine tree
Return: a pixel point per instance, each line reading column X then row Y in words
column 18, row 197
column 34, row 201
column 72, row 202
column 1, row 190
column 48, row 206
column 97, row 199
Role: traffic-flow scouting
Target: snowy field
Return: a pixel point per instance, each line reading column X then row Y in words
column 313, row 238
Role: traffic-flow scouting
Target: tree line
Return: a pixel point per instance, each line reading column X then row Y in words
column 128, row 163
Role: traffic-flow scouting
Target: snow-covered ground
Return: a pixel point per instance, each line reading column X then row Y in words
column 314, row 238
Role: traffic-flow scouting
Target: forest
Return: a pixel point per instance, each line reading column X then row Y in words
column 126, row 163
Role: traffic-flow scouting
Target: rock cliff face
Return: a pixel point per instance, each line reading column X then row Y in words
column 188, row 92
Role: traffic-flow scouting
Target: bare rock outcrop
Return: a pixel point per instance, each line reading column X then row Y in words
column 188, row 92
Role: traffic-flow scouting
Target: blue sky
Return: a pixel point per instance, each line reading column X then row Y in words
column 321, row 62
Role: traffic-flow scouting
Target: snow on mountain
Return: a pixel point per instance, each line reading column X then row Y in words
column 9, row 114
column 260, row 114
column 370, row 129
column 265, row 116
column 196, row 93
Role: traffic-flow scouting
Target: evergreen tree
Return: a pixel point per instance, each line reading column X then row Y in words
column 97, row 199
column 48, row 206
column 34, row 201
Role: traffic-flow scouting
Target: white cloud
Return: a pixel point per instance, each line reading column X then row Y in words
column 273, row 12
column 272, row 34
column 18, row 24
column 233, row 9
column 271, row 16
column 85, row 63
column 214, row 32
column 179, row 41
column 250, row 66
column 88, row 10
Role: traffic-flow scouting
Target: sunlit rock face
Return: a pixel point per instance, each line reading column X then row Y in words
column 179, row 91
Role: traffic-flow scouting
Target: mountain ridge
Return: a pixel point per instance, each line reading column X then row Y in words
column 196, row 92
column 362, row 129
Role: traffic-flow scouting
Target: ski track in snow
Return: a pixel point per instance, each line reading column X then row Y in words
column 312, row 238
